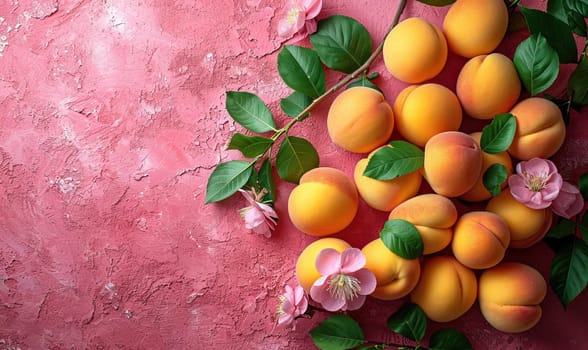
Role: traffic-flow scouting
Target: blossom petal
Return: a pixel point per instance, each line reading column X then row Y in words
column 551, row 190
column 312, row 8
column 298, row 294
column 537, row 202
column 285, row 319
column 569, row 202
column 302, row 306
column 286, row 29
column 355, row 303
column 248, row 196
column 289, row 293
column 367, row 281
column 518, row 189
column 328, row 262
column 537, row 166
column 352, row 259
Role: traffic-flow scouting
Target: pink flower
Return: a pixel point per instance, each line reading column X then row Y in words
column 569, row 202
column 300, row 21
column 536, row 184
column 293, row 303
column 258, row 217
column 344, row 282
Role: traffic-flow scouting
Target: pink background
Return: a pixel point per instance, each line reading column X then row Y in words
column 111, row 120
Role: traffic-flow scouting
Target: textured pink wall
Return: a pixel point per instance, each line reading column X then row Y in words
column 111, row 120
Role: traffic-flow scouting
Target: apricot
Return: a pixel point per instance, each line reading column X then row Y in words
column 479, row 191
column 360, row 119
column 446, row 290
column 432, row 215
column 540, row 129
column 385, row 195
column 527, row 226
column 422, row 111
column 474, row 27
column 306, row 272
column 415, row 50
column 395, row 276
column 453, row 163
column 325, row 202
column 480, row 239
column 488, row 85
column 510, row 296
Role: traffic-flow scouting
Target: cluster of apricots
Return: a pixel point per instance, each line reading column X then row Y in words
column 429, row 115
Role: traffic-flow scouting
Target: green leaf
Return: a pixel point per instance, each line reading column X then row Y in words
column 295, row 157
column 410, row 321
column 397, row 159
column 556, row 9
column 564, row 228
column 558, row 33
column 402, row 238
column 449, row 339
column 498, row 135
column 437, row 2
column 301, row 70
column 494, row 177
column 583, row 185
column 338, row 332
column 342, row 43
column 294, row 104
column 366, row 82
column 578, row 83
column 226, row 179
column 250, row 146
column 576, row 12
column 583, row 226
column 266, row 180
column 249, row 110
column 537, row 64
column 567, row 276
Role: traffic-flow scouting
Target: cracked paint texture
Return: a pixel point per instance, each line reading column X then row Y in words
column 111, row 120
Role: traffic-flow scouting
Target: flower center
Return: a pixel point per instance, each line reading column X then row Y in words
column 535, row 183
column 292, row 17
column 343, row 287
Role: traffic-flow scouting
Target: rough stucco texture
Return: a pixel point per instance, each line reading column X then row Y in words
column 111, row 120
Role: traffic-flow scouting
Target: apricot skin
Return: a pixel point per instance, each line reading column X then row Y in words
column 306, row 272
column 510, row 295
column 325, row 202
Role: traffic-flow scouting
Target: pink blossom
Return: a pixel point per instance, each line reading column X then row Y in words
column 569, row 202
column 293, row 303
column 536, row 183
column 300, row 21
column 259, row 217
column 345, row 282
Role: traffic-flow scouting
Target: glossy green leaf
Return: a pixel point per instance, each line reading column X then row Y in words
column 498, row 135
column 578, row 83
column 410, row 321
column 402, row 238
column 338, row 332
column 249, row 110
column 295, row 157
column 364, row 81
column 583, row 185
column 564, row 228
column 557, row 33
column 301, row 70
column 342, row 43
column 567, row 276
column 226, row 179
column 494, row 177
column 556, row 9
column 583, row 225
column 266, row 180
column 576, row 12
column 397, row 159
column 250, row 146
column 449, row 339
column 294, row 104
column 437, row 2
column 537, row 64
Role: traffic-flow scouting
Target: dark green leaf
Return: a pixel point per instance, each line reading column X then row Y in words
column 556, row 9
column 368, row 348
column 402, row 238
column 249, row 110
column 342, row 43
column 583, row 185
column 226, row 179
column 558, row 33
column 568, row 277
column 564, row 228
column 537, row 64
column 494, row 177
column 578, row 83
column 498, row 135
column 250, row 146
column 576, row 11
column 449, row 339
column 397, row 159
column 301, row 69
column 364, row 81
column 563, row 104
column 584, row 227
column 294, row 104
column 338, row 332
column 410, row 321
column 295, row 157
column 437, row 2
column 266, row 180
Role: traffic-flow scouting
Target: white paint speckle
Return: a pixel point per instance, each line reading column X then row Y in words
column 66, row 184
column 3, row 44
column 209, row 62
column 110, row 289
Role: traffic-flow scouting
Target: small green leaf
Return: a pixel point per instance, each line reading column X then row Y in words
column 449, row 339
column 537, row 63
column 266, row 180
column 250, row 146
column 338, row 332
column 294, row 104
column 397, row 159
column 226, row 179
column 498, row 135
column 249, row 110
column 295, row 157
column 439, row 3
column 567, row 276
column 402, row 238
column 556, row 9
column 364, row 81
column 578, row 83
column 342, row 43
column 583, row 185
column 584, row 227
column 410, row 321
column 301, row 70
column 576, row 12
column 564, row 228
column 494, row 177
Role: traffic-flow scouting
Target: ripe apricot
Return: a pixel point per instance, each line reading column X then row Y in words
column 306, row 272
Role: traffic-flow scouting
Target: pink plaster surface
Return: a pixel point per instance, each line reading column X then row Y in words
column 111, row 120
